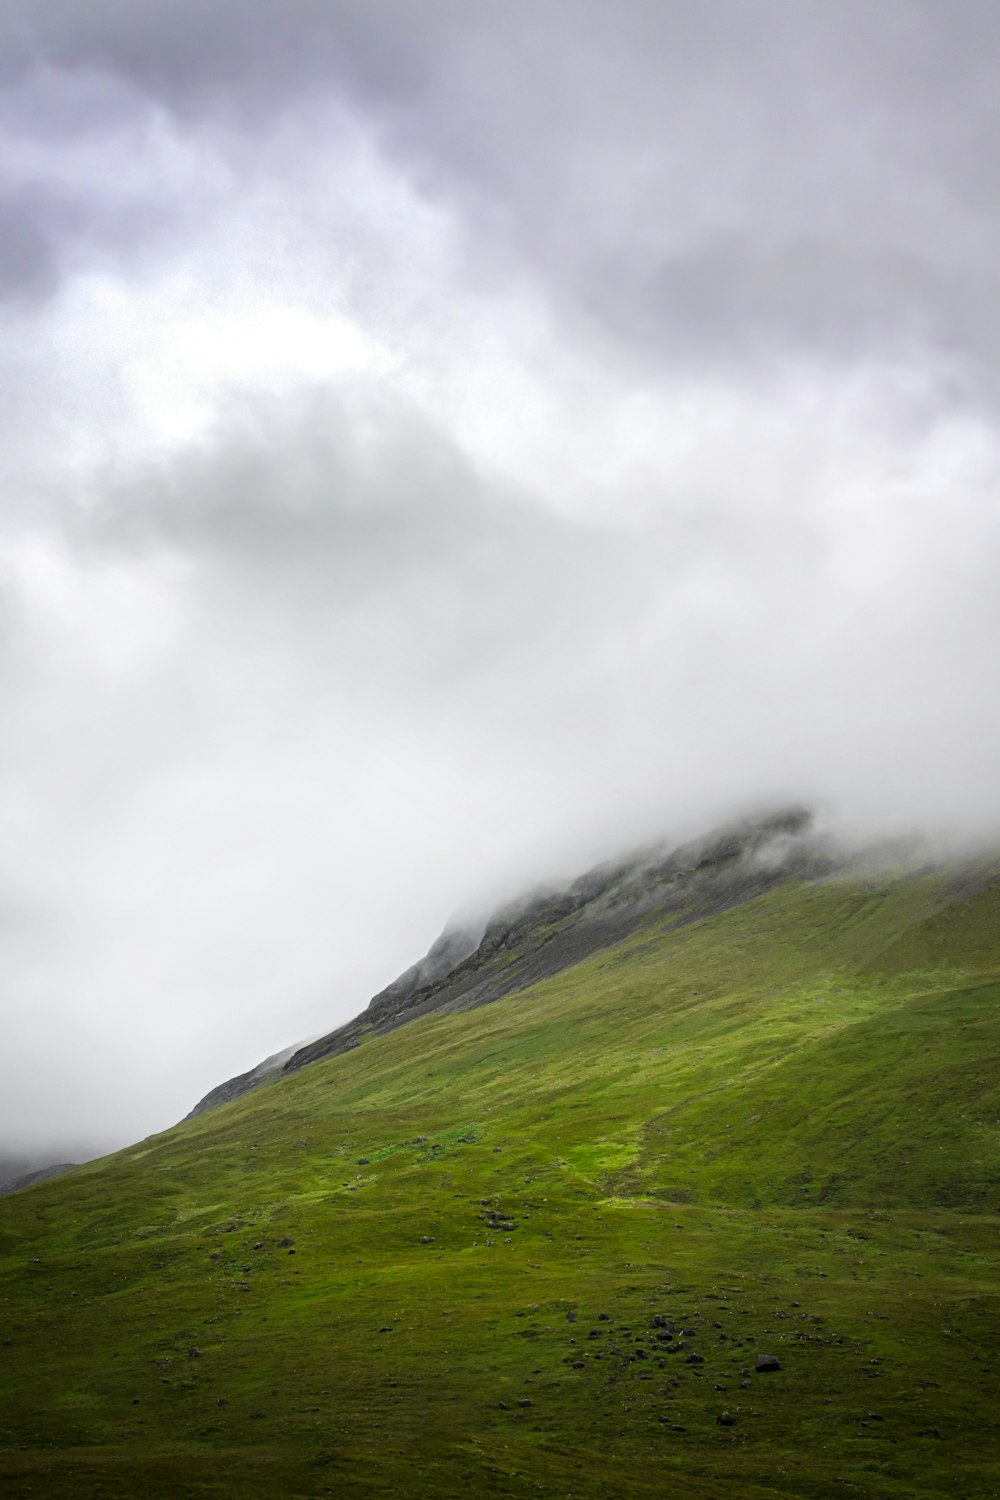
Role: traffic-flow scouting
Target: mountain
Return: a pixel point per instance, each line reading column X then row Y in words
column 685, row 1178
column 552, row 929
column 18, row 1180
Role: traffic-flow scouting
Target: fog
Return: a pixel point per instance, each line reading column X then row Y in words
column 444, row 446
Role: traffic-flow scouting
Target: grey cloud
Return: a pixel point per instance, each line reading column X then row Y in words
column 30, row 238
column 46, row 233
column 712, row 175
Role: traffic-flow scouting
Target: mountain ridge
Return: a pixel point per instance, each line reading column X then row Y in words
column 541, row 933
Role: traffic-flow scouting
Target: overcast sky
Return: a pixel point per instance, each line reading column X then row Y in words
column 445, row 443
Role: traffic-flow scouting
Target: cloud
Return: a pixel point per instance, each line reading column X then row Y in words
column 436, row 456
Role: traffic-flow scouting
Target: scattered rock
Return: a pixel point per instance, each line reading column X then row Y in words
column 766, row 1363
column 524, row 1401
column 194, row 1354
column 362, row 1161
column 283, row 1244
column 726, row 1419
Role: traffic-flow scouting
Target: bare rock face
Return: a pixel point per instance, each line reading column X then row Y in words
column 552, row 929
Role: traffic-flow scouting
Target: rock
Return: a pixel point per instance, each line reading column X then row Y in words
column 194, row 1354
column 283, row 1244
column 726, row 1419
column 766, row 1363
column 695, row 1359
column 259, row 1245
column 362, row 1161
column 604, row 1317
column 524, row 1401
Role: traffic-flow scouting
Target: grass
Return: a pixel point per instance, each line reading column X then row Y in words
column 776, row 1131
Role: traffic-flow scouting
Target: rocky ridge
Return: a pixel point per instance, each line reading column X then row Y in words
column 552, row 929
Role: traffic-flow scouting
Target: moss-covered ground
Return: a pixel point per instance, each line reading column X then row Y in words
column 536, row 1249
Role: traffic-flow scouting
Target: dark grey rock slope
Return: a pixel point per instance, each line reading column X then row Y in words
column 40, row 1174
column 243, row 1082
column 553, row 929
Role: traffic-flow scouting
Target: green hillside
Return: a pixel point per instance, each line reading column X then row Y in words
column 536, row 1248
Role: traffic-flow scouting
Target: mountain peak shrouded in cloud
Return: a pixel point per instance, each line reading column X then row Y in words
column 443, row 447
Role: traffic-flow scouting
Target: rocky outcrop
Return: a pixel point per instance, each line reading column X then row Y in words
column 554, row 928
column 243, row 1082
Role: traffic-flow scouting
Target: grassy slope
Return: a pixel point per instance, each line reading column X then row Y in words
column 779, row 1128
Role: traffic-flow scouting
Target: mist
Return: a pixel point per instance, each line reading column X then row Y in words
column 439, row 452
